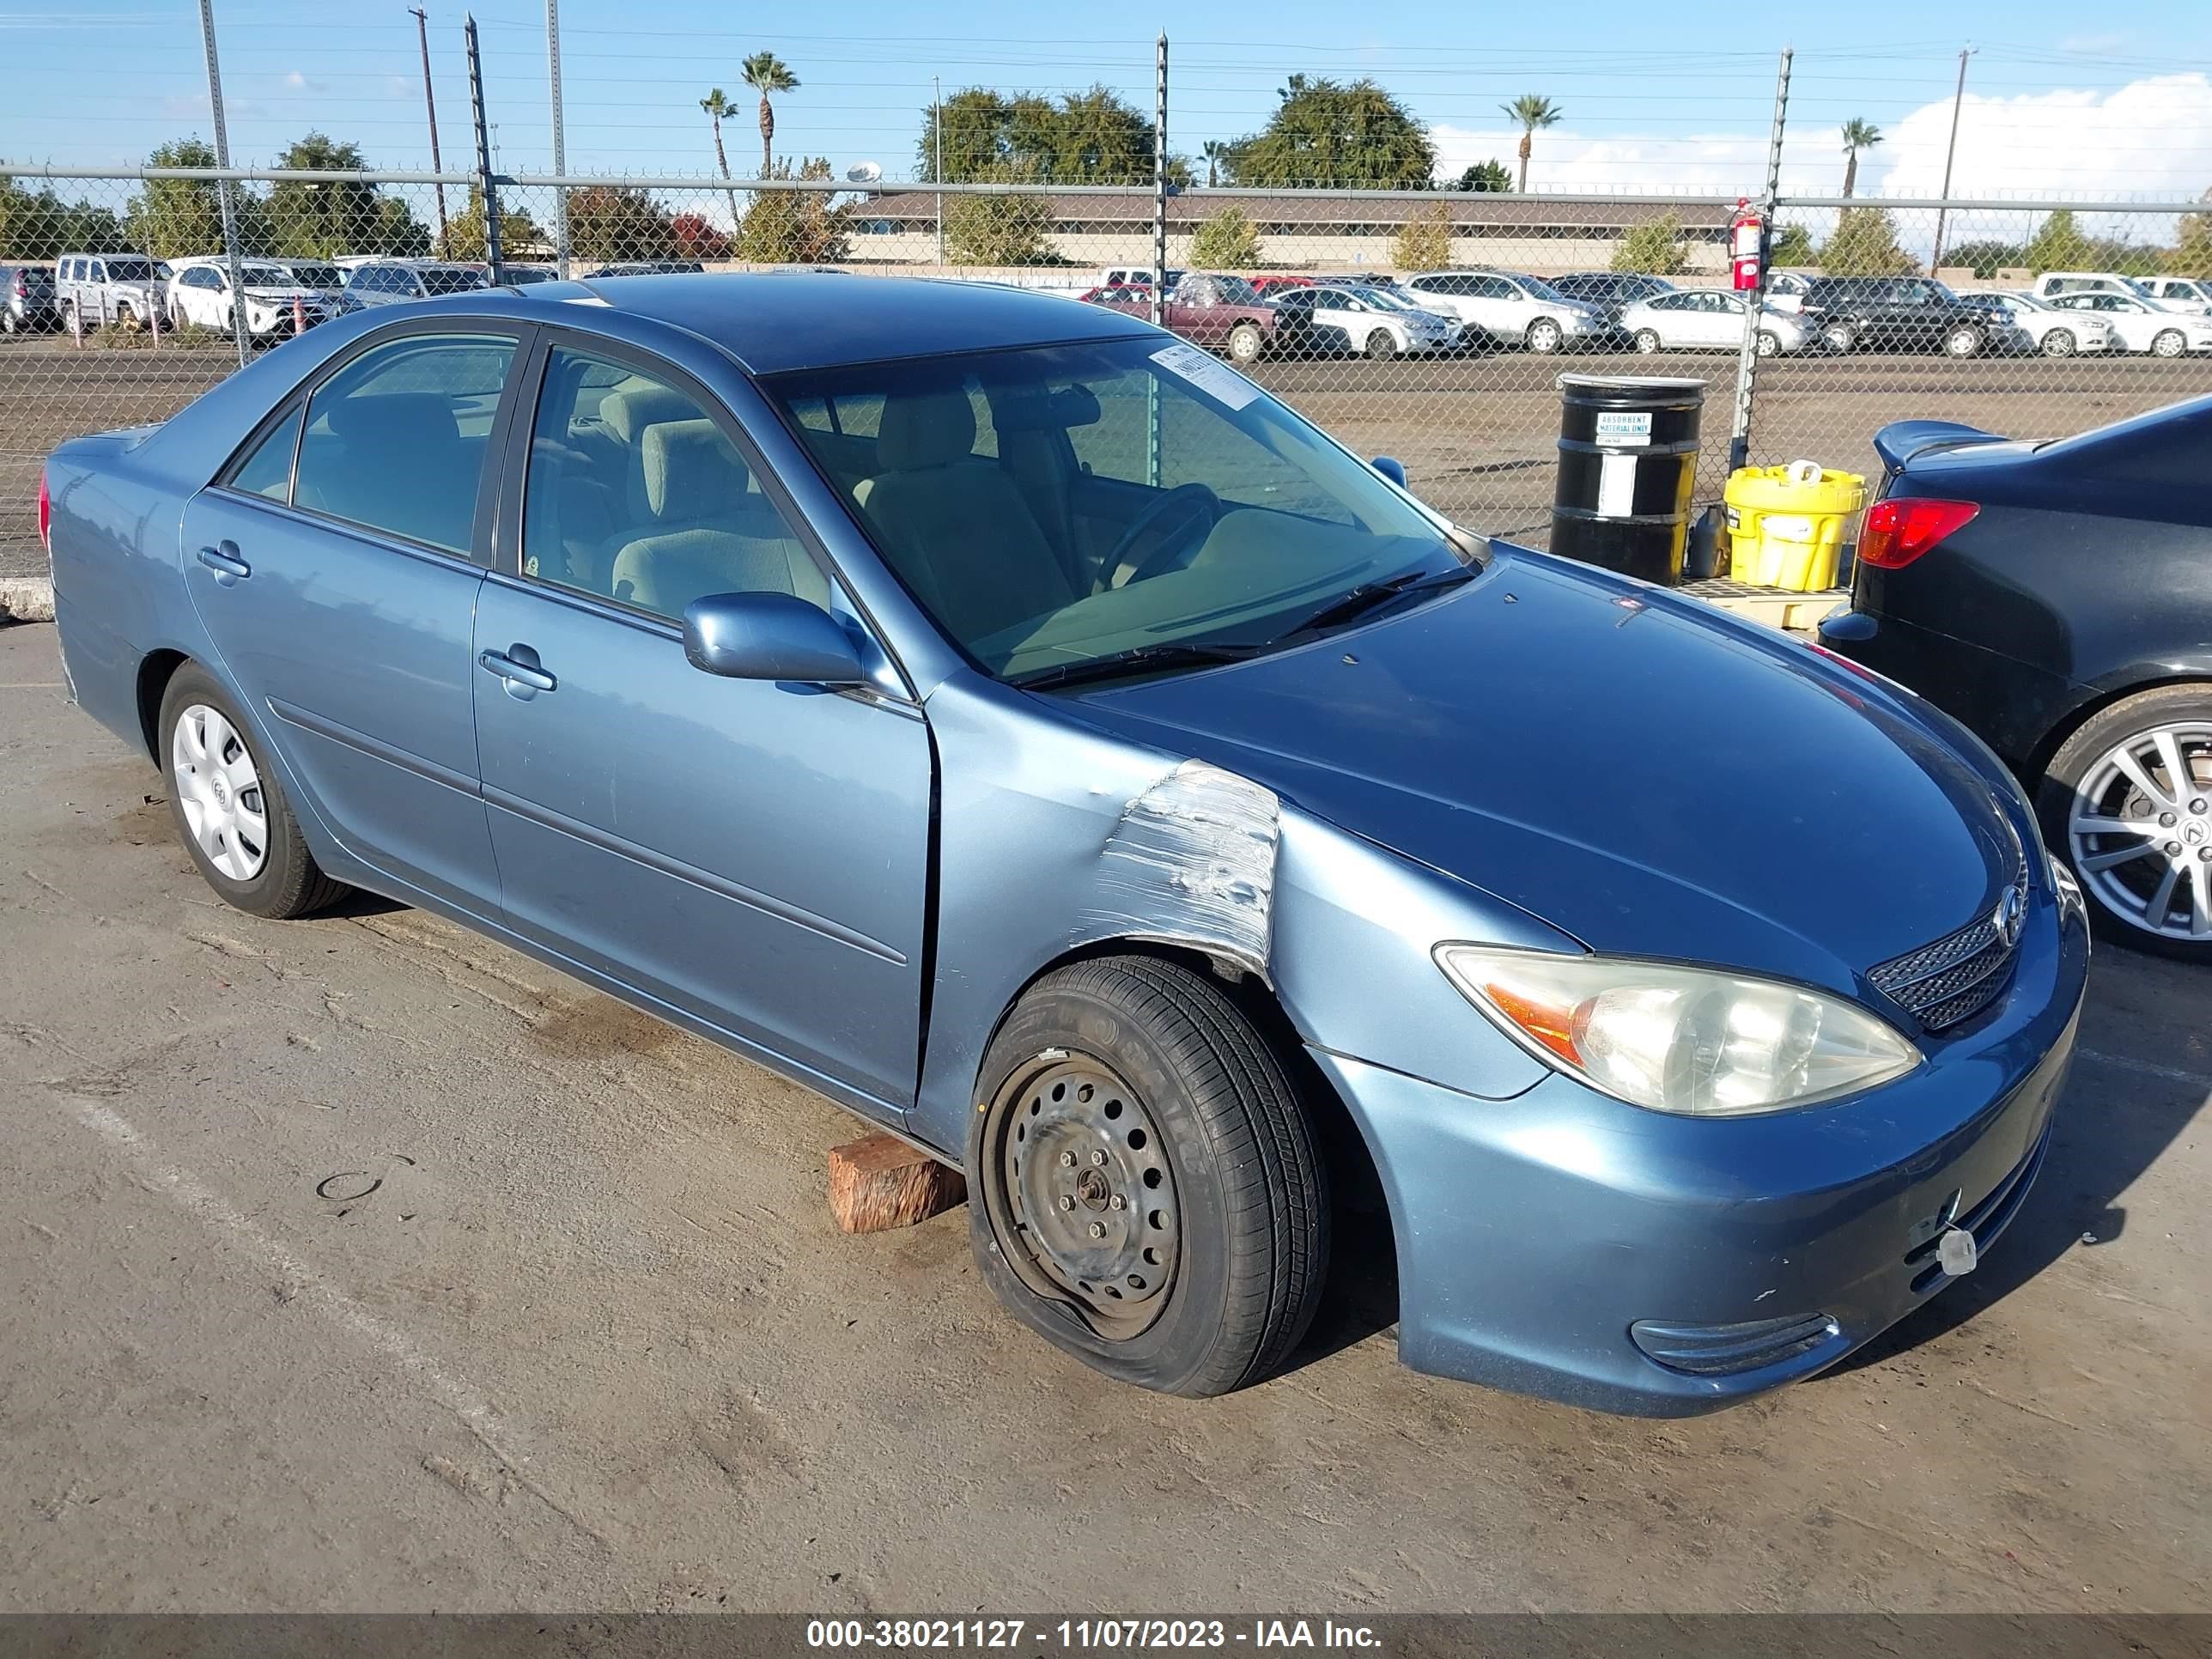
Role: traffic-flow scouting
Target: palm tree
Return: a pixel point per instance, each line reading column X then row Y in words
column 1858, row 134
column 717, row 105
column 1531, row 111
column 1217, row 152
column 765, row 72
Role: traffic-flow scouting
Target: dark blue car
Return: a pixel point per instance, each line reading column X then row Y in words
column 1007, row 720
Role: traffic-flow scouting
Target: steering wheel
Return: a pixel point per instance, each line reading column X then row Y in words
column 1173, row 518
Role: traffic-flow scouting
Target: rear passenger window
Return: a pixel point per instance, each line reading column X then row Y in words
column 395, row 441
column 268, row 471
column 635, row 495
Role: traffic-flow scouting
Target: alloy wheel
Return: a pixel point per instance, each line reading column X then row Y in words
column 1078, row 1188
column 2171, row 343
column 2059, row 342
column 220, row 792
column 1647, row 341
column 2140, row 830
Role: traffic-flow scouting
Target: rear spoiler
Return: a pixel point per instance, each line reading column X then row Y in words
column 1900, row 440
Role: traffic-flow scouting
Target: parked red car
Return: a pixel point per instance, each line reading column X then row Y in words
column 1220, row 313
column 1265, row 286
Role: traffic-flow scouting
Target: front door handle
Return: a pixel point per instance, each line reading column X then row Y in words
column 224, row 560
column 516, row 673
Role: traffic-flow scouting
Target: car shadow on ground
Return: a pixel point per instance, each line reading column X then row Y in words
column 2133, row 1089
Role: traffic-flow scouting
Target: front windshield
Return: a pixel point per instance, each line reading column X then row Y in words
column 318, row 276
column 1543, row 290
column 452, row 282
column 1055, row 505
column 266, row 276
column 1388, row 301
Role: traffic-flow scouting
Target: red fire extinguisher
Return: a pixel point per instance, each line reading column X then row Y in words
column 1746, row 231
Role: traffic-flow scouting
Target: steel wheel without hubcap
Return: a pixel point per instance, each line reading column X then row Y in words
column 1245, row 344
column 2139, row 832
column 1079, row 1190
column 220, row 792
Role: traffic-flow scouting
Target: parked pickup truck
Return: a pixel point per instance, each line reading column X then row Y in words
column 1221, row 313
column 92, row 289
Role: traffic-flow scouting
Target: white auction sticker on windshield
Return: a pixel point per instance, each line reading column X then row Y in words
column 1209, row 374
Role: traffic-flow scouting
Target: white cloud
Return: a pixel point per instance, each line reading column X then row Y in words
column 1562, row 159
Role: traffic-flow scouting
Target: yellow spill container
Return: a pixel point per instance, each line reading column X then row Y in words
column 1787, row 525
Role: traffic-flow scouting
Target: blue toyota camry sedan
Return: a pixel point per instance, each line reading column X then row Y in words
column 1012, row 722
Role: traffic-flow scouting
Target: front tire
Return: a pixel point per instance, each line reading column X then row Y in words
column 1147, row 1192
column 1544, row 336
column 1246, row 342
column 1648, row 342
column 230, row 810
column 1965, row 341
column 1381, row 346
column 2170, row 342
column 2127, row 803
column 1840, row 338
column 2059, row 342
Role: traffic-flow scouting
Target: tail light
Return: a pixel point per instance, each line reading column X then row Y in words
column 45, row 515
column 1898, row 530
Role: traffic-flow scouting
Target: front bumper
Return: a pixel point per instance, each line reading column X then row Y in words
column 1562, row 1245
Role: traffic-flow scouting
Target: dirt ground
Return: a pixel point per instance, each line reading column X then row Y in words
column 359, row 1264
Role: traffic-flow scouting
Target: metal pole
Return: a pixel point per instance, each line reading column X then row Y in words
column 936, row 171
column 1747, row 357
column 1957, row 100
column 222, row 185
column 560, row 146
column 485, row 182
column 1160, row 183
column 430, row 104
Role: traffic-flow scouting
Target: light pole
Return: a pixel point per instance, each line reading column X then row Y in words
column 430, row 104
column 1950, row 151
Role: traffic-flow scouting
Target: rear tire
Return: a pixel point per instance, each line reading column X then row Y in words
column 2059, row 342
column 2087, row 779
column 1246, row 342
column 251, row 850
column 1965, row 341
column 1768, row 344
column 1840, row 338
column 1188, row 1256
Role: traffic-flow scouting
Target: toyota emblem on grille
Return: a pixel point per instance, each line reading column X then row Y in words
column 2011, row 911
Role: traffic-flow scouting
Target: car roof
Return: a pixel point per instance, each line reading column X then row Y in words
column 772, row 321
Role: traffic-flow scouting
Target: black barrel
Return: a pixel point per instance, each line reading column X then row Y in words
column 1628, row 459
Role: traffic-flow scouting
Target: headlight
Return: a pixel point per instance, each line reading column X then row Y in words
column 1692, row 1041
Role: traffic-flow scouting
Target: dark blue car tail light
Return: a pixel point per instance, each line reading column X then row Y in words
column 1726, row 1350
column 1952, row 979
column 1900, row 528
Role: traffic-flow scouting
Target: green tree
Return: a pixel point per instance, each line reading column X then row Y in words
column 1791, row 244
column 399, row 231
column 1000, row 230
column 793, row 227
column 718, row 105
column 1986, row 257
column 465, row 233
column 1530, row 111
column 2191, row 253
column 1865, row 245
column 40, row 225
column 1423, row 242
column 619, row 222
column 2059, row 244
column 1857, row 135
column 1330, row 135
column 1217, row 153
column 170, row 218
column 1492, row 175
column 766, row 73
column 1653, row 246
column 323, row 221
column 1226, row 241
column 1091, row 138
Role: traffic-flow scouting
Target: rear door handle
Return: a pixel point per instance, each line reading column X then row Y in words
column 224, row 560
column 516, row 673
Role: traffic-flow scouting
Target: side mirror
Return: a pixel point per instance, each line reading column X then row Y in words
column 1391, row 468
column 769, row 636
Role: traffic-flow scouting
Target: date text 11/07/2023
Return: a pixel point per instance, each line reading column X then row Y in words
column 1089, row 1635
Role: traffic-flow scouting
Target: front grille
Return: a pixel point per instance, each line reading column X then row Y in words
column 1960, row 974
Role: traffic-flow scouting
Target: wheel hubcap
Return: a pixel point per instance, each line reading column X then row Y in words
column 220, row 792
column 2140, row 830
column 1079, row 1189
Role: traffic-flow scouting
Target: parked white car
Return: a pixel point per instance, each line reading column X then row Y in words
column 1785, row 291
column 1524, row 311
column 2053, row 283
column 2180, row 292
column 1709, row 320
column 2054, row 332
column 2142, row 324
column 1377, row 321
column 276, row 301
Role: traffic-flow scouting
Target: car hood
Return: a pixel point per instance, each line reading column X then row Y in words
column 1651, row 778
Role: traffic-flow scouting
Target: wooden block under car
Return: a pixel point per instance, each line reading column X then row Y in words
column 879, row 1182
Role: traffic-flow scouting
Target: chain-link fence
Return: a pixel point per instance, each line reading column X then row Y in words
column 1430, row 325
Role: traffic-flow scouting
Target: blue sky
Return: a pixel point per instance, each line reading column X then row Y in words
column 2071, row 99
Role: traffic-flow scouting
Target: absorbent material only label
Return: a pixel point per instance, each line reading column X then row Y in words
column 1209, row 373
column 1624, row 427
